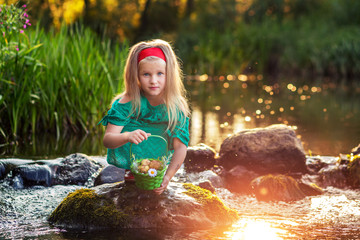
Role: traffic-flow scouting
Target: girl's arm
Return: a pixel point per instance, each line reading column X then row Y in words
column 178, row 158
column 114, row 138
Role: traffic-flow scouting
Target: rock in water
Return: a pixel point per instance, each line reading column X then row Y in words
column 199, row 158
column 274, row 149
column 2, row 170
column 238, row 179
column 33, row 174
column 121, row 205
column 356, row 150
column 75, row 169
column 354, row 172
column 282, row 188
column 333, row 175
column 110, row 174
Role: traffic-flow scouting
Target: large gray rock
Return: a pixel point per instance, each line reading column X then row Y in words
column 75, row 169
column 124, row 206
column 274, row 149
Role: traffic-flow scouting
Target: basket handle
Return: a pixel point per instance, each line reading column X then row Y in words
column 157, row 136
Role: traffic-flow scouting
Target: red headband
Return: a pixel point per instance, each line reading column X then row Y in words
column 153, row 51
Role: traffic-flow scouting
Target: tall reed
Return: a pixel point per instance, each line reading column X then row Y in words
column 60, row 81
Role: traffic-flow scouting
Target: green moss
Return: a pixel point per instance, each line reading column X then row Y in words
column 214, row 207
column 85, row 207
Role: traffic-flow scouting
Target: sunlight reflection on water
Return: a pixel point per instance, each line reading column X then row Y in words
column 248, row 229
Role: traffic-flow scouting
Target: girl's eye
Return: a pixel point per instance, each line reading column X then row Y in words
column 146, row 74
column 160, row 73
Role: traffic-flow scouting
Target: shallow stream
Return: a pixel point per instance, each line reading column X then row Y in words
column 333, row 215
column 325, row 115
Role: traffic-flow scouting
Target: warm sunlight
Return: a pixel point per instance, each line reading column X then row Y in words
column 249, row 229
column 196, row 126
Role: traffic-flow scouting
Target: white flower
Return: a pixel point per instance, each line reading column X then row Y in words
column 152, row 172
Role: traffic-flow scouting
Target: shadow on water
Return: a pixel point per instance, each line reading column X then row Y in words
column 324, row 113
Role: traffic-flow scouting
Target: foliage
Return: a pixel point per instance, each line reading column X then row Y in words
column 58, row 82
column 14, row 20
column 15, row 57
column 228, row 36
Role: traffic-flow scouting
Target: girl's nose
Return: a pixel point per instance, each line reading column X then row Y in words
column 153, row 79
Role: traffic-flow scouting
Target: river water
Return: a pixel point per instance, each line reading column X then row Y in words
column 333, row 215
column 326, row 118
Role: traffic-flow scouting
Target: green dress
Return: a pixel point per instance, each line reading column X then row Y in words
column 152, row 119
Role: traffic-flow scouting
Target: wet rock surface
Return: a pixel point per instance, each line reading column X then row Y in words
column 356, row 150
column 123, row 205
column 31, row 175
column 75, row 169
column 199, row 158
column 274, row 149
column 110, row 174
column 238, row 179
column 354, row 171
column 333, row 175
column 282, row 188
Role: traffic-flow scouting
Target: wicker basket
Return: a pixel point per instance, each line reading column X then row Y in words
column 156, row 149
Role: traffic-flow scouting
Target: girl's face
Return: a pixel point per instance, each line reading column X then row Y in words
column 152, row 76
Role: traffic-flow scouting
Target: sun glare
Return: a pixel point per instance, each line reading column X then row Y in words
column 248, row 229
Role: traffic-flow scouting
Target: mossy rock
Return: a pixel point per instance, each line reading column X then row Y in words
column 124, row 206
column 85, row 209
column 214, row 207
column 282, row 188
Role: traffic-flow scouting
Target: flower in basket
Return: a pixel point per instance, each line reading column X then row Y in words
column 152, row 172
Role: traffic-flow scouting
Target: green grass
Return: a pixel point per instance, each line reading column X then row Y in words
column 58, row 82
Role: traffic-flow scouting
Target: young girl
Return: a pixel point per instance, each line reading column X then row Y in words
column 153, row 103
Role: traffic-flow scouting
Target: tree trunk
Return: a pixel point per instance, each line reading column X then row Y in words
column 189, row 8
column 144, row 20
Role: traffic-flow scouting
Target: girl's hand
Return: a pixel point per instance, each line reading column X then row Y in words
column 137, row 136
column 176, row 161
column 163, row 186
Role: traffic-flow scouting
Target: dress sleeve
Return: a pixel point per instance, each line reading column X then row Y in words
column 181, row 132
column 119, row 114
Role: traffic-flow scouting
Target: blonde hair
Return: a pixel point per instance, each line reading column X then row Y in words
column 174, row 92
